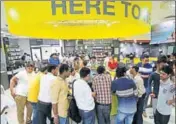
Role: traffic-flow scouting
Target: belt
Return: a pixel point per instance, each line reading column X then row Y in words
column 45, row 103
column 103, row 104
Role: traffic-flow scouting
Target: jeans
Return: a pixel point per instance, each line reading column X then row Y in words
column 88, row 117
column 124, row 117
column 103, row 113
column 44, row 112
column 161, row 119
column 35, row 113
column 138, row 119
column 63, row 120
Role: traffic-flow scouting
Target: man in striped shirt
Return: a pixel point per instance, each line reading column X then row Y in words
column 126, row 92
column 145, row 69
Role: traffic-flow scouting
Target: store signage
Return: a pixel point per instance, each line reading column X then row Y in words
column 78, row 19
column 108, row 7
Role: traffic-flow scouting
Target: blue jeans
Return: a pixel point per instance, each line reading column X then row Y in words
column 63, row 120
column 88, row 117
column 103, row 114
column 35, row 113
column 124, row 117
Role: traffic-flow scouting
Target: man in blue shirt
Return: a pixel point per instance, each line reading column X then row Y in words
column 145, row 69
column 126, row 92
column 54, row 59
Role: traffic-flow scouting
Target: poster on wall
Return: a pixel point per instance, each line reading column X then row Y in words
column 36, row 55
column 163, row 32
column 56, row 49
column 46, row 52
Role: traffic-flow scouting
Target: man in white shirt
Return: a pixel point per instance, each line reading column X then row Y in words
column 138, row 119
column 19, row 90
column 84, row 97
column 73, row 76
column 44, row 103
column 166, row 97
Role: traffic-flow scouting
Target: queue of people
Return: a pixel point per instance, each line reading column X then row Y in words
column 46, row 93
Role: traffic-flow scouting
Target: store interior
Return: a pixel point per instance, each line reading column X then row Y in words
column 159, row 40
column 41, row 28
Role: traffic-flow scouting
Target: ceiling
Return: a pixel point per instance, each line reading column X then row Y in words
column 161, row 9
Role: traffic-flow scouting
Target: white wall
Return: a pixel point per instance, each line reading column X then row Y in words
column 24, row 45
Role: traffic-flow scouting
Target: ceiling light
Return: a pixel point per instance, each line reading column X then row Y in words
column 13, row 14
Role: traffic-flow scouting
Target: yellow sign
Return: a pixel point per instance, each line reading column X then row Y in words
column 78, row 19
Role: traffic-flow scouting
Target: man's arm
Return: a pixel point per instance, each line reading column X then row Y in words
column 140, row 87
column 13, row 83
column 54, row 93
column 150, row 82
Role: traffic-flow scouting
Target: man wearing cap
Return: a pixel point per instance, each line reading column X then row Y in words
column 145, row 69
column 19, row 90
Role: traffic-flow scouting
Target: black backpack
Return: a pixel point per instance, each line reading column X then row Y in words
column 73, row 111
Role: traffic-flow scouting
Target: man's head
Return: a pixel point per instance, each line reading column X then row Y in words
column 64, row 70
column 30, row 66
column 54, row 56
column 162, row 59
column 85, row 73
column 160, row 64
column 85, row 63
column 93, row 58
column 101, row 70
column 121, row 72
column 166, row 72
column 53, row 69
column 134, row 70
column 44, row 69
column 145, row 58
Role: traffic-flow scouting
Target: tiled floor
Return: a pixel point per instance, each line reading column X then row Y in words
column 13, row 119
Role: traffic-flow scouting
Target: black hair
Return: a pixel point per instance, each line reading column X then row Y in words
column 76, row 59
column 120, row 72
column 167, row 69
column 168, row 56
column 84, row 72
column 51, row 67
column 53, row 54
column 43, row 69
column 93, row 57
column 162, row 58
column 29, row 64
column 144, row 56
column 136, row 68
column 106, row 53
column 72, row 69
column 63, row 68
column 85, row 63
column 100, row 69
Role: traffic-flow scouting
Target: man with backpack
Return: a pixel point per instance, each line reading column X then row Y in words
column 84, row 97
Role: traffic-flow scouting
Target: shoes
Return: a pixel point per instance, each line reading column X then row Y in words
column 145, row 114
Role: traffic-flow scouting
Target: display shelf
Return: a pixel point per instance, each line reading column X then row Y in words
column 99, row 53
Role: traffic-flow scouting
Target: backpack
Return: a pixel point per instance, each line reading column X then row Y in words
column 73, row 111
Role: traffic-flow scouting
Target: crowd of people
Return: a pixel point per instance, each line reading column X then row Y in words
column 46, row 93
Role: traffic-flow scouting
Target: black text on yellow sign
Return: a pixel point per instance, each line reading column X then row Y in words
column 108, row 7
